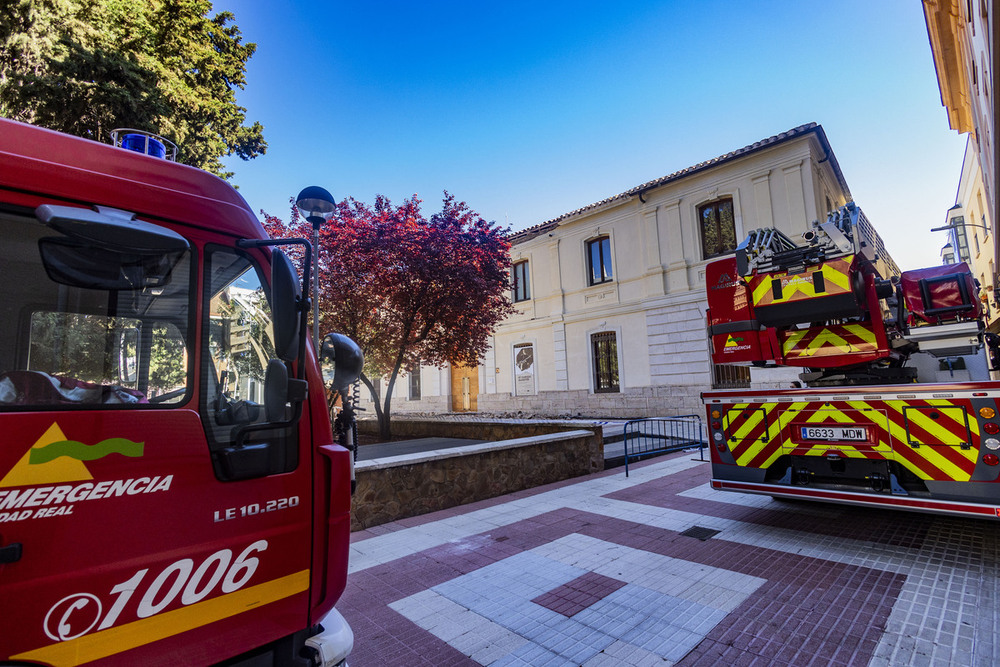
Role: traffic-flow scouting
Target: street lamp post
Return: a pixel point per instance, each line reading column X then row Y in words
column 317, row 205
column 953, row 225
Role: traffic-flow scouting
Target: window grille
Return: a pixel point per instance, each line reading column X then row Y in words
column 605, row 362
column 725, row 376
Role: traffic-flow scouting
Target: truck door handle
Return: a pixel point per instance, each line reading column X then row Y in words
column 10, row 553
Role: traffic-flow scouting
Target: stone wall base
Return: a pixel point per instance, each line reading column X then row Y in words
column 637, row 403
column 395, row 488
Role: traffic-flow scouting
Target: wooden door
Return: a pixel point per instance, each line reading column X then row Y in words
column 464, row 388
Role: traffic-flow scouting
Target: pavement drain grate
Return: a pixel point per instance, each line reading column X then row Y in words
column 701, row 533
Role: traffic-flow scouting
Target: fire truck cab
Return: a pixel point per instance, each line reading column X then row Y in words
column 170, row 487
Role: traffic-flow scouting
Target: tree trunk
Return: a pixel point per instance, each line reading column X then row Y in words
column 385, row 425
column 385, row 419
column 380, row 414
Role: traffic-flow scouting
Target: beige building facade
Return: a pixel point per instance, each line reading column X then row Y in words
column 961, row 34
column 611, row 298
column 615, row 319
column 972, row 238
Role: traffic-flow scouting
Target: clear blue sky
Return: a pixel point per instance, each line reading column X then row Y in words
column 527, row 110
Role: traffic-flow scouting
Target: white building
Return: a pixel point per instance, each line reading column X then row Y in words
column 611, row 297
column 961, row 37
column 971, row 234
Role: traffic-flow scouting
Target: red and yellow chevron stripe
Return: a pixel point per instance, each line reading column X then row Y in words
column 935, row 439
column 796, row 287
column 835, row 339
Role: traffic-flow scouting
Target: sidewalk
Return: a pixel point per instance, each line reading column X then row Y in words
column 597, row 571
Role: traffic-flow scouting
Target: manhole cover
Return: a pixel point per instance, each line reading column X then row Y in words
column 700, row 533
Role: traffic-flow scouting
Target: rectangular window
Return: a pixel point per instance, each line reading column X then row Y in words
column 240, row 333
column 415, row 384
column 605, row 362
column 103, row 356
column 520, row 288
column 725, row 376
column 85, row 326
column 718, row 227
column 961, row 239
column 599, row 260
column 240, row 371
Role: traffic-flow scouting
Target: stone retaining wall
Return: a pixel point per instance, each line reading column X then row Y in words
column 397, row 487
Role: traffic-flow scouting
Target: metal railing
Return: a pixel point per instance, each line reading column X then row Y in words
column 659, row 435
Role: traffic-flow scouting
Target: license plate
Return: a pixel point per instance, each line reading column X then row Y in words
column 842, row 433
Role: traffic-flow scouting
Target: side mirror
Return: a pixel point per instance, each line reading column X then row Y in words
column 342, row 361
column 286, row 293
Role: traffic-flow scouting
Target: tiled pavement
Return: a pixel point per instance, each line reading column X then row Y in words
column 595, row 571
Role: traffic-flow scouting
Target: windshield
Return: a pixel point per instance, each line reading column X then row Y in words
column 83, row 327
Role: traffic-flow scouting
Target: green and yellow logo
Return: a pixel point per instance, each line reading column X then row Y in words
column 733, row 341
column 54, row 458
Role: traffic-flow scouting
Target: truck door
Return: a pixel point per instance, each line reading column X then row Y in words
column 129, row 530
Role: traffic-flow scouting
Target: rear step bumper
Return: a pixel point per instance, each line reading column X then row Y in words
column 334, row 643
column 951, row 507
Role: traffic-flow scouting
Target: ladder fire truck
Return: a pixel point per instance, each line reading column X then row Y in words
column 862, row 425
column 172, row 491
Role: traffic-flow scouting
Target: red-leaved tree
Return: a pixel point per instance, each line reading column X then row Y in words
column 408, row 289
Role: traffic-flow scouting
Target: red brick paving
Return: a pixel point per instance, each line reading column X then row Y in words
column 575, row 596
column 808, row 607
column 809, row 611
column 879, row 526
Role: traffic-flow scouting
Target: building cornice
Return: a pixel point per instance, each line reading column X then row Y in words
column 944, row 25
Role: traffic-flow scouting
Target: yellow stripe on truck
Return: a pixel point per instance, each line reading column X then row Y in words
column 931, row 454
column 132, row 635
column 836, row 275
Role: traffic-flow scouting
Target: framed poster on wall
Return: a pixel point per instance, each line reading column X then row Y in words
column 524, row 369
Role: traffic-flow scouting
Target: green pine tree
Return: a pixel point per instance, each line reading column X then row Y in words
column 86, row 67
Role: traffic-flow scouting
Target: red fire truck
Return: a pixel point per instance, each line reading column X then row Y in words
column 864, row 424
column 171, row 491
